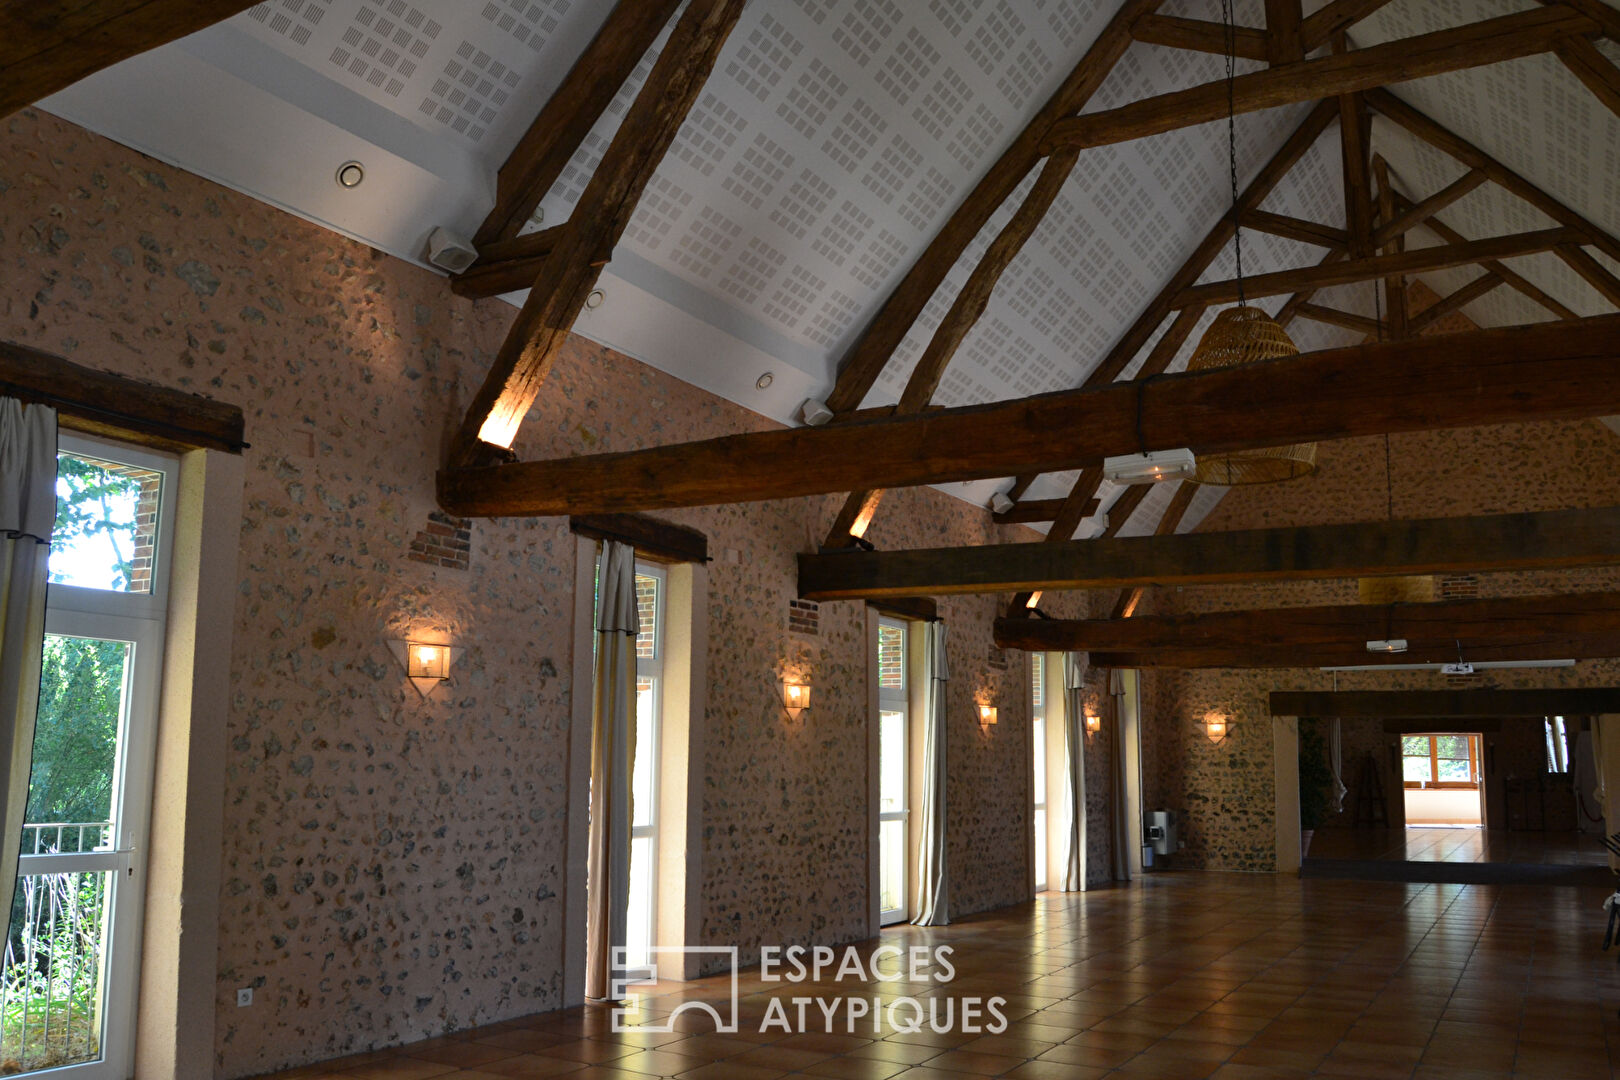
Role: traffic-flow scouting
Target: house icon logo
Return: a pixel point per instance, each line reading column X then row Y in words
column 723, row 1010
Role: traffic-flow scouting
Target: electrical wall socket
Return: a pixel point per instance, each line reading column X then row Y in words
column 244, row 997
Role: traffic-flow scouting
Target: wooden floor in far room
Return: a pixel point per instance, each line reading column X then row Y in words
column 1457, row 845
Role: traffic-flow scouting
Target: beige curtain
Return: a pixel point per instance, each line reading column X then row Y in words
column 933, row 895
column 1074, row 770
column 27, row 513
column 613, row 733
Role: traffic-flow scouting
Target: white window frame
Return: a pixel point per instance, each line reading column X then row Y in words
column 895, row 701
column 139, row 619
column 1040, row 790
column 652, row 668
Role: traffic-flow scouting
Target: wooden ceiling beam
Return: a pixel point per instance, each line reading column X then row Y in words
column 48, row 45
column 1514, row 280
column 569, row 273
column 1551, row 539
column 1394, row 284
column 866, row 359
column 507, row 265
column 1432, row 630
column 1293, row 228
column 568, row 116
column 1416, row 261
column 965, row 311
column 1507, row 37
column 1169, row 522
column 1598, row 11
column 1361, row 324
column 1200, row 35
column 1335, row 18
column 1572, row 647
column 1454, row 301
column 1418, row 213
column 1591, row 271
column 1543, row 371
column 1037, row 511
column 1284, row 31
column 1438, row 136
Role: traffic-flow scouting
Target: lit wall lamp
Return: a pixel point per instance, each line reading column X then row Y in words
column 426, row 663
column 1093, row 723
column 795, row 697
column 1217, row 726
column 987, row 716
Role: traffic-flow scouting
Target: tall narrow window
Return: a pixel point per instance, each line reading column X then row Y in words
column 894, row 741
column 1557, row 744
column 642, row 916
column 1037, row 696
column 67, row 990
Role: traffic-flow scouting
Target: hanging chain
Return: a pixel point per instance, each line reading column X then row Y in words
column 1231, row 139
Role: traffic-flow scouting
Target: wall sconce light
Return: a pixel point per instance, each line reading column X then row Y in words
column 426, row 663
column 1093, row 723
column 1217, row 727
column 987, row 716
column 795, row 697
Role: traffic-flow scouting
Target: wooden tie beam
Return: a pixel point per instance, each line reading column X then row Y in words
column 1553, row 539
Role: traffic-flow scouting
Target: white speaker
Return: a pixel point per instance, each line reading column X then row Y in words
column 815, row 413
column 1000, row 503
column 450, row 252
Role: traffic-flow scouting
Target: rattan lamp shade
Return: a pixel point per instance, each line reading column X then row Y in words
column 1247, row 335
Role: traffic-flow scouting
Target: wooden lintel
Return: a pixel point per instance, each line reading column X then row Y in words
column 1543, row 540
column 1542, row 371
column 916, row 608
column 102, row 403
column 662, row 541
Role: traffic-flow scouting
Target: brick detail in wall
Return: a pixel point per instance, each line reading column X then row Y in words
column 1459, row 587
column 446, row 541
column 998, row 659
column 146, row 514
column 804, row 617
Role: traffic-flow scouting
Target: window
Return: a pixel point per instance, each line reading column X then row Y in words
column 67, row 990
column 894, row 742
column 642, row 912
column 1557, row 744
column 1037, row 692
column 1440, row 761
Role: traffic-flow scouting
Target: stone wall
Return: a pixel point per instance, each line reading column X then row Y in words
column 392, row 867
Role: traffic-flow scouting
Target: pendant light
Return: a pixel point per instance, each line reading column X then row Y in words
column 1244, row 334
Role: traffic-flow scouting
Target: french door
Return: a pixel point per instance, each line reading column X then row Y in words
column 71, row 961
column 894, row 780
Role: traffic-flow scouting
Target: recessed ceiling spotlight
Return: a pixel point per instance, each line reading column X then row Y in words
column 350, row 173
column 595, row 298
column 764, row 381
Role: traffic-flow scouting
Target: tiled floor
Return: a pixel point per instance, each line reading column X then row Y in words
column 1179, row 977
column 1459, row 845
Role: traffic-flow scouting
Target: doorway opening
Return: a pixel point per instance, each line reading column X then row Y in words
column 1440, row 774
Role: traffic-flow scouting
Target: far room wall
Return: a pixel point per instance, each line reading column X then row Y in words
column 1227, row 790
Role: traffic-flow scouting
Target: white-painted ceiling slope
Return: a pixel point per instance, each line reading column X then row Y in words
column 827, row 148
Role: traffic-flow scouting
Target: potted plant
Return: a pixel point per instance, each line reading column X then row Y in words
column 1315, row 782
